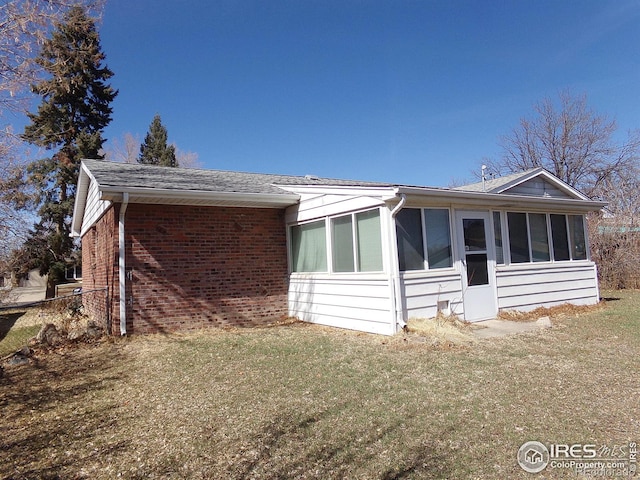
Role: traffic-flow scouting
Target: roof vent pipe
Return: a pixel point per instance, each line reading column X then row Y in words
column 484, row 178
column 122, row 273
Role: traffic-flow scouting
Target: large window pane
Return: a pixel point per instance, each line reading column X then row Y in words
column 309, row 247
column 578, row 239
column 539, row 237
column 559, row 237
column 342, row 244
column 497, row 233
column 410, row 243
column 518, row 238
column 369, row 241
column 438, row 238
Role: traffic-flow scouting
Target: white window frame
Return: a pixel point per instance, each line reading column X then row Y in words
column 425, row 246
column 506, row 240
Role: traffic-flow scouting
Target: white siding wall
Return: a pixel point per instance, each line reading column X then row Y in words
column 537, row 187
column 94, row 207
column 526, row 287
column 354, row 301
column 316, row 206
column 422, row 291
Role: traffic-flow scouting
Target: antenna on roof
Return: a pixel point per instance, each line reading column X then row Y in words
column 484, row 178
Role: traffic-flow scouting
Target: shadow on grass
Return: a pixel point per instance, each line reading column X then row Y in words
column 50, row 420
column 294, row 445
column 610, row 299
column 7, row 321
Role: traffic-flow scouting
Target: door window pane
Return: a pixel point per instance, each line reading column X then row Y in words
column 369, row 241
column 410, row 243
column 477, row 271
column 438, row 238
column 497, row 233
column 539, row 237
column 559, row 237
column 474, row 236
column 342, row 244
column 578, row 239
column 309, row 247
column 518, row 238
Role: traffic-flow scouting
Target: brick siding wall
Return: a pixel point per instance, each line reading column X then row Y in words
column 100, row 270
column 198, row 267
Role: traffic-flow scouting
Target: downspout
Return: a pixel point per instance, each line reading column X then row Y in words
column 122, row 273
column 394, row 265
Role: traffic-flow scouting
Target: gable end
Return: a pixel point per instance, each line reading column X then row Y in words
column 537, row 187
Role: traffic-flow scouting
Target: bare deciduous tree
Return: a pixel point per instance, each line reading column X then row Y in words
column 578, row 145
column 127, row 149
column 571, row 141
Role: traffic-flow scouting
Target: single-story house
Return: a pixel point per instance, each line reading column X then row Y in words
column 186, row 249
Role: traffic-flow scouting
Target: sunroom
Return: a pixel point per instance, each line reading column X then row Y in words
column 371, row 258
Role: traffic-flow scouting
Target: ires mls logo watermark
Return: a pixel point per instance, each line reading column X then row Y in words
column 533, row 457
column 584, row 459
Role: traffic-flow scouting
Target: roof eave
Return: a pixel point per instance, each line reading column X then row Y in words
column 198, row 197
column 84, row 179
column 502, row 200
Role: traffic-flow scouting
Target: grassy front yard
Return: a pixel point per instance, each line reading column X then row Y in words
column 302, row 401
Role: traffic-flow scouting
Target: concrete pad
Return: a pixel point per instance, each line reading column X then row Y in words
column 499, row 328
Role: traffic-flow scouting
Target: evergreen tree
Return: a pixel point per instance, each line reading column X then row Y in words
column 154, row 150
column 75, row 109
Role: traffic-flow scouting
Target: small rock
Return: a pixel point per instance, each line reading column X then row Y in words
column 76, row 334
column 544, row 322
column 18, row 359
column 94, row 331
column 49, row 335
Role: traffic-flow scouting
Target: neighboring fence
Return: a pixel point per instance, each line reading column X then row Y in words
column 91, row 304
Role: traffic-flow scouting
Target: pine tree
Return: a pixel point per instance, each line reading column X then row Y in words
column 74, row 111
column 154, row 150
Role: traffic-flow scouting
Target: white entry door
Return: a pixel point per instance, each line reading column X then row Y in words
column 477, row 255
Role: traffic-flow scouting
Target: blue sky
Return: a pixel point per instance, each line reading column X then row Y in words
column 411, row 92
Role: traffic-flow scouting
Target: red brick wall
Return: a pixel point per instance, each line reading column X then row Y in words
column 198, row 267
column 100, row 270
column 189, row 267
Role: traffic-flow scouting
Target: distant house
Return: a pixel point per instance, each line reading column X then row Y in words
column 187, row 249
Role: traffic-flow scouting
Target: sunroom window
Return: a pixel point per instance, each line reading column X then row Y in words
column 578, row 238
column 356, row 242
column 418, row 230
column 559, row 237
column 309, row 247
column 518, row 237
column 530, row 241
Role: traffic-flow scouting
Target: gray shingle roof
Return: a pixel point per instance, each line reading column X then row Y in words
column 496, row 184
column 183, row 179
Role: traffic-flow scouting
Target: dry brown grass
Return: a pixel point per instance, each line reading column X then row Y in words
column 301, row 401
column 559, row 311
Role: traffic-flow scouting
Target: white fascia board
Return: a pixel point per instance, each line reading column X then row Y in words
column 383, row 192
column 84, row 180
column 500, row 200
column 197, row 197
